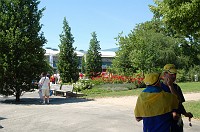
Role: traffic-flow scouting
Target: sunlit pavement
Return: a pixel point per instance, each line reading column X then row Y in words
column 71, row 115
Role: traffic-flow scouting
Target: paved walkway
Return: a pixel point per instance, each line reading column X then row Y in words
column 73, row 115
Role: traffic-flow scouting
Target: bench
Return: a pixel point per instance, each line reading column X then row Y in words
column 65, row 90
column 55, row 87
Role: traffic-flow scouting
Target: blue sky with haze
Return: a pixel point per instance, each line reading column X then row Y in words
column 107, row 18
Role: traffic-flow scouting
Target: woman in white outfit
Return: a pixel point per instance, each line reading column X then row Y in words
column 45, row 86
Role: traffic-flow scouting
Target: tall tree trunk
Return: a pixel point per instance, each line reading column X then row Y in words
column 18, row 93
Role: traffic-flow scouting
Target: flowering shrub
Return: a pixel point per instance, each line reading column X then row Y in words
column 114, row 79
column 82, row 84
column 138, row 80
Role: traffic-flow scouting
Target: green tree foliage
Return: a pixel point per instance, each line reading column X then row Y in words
column 151, row 47
column 1, row 72
column 93, row 57
column 67, row 60
column 122, row 64
column 147, row 48
column 21, row 53
column 182, row 16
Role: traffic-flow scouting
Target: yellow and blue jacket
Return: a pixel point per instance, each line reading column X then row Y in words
column 155, row 107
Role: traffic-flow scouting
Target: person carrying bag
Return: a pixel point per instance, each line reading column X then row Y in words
column 45, row 87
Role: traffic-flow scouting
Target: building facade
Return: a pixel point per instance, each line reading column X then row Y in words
column 52, row 57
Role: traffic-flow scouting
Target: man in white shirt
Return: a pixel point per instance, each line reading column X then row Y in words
column 45, row 86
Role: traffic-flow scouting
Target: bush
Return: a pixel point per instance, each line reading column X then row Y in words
column 115, row 82
column 188, row 75
column 194, row 71
column 182, row 76
column 82, row 85
column 118, row 79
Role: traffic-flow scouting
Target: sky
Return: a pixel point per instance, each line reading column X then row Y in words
column 107, row 18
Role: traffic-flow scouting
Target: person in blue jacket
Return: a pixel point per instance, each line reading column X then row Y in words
column 154, row 106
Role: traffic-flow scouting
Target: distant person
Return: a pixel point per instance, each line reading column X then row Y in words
column 55, row 78
column 154, row 106
column 169, row 78
column 52, row 78
column 58, row 77
column 80, row 75
column 48, row 75
column 45, row 86
column 40, row 88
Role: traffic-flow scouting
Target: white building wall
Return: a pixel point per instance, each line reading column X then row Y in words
column 107, row 56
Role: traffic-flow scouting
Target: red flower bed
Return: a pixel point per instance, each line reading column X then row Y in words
column 138, row 80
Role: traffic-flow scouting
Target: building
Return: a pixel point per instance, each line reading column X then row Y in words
column 52, row 58
column 107, row 57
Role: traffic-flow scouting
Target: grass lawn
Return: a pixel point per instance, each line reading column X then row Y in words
column 112, row 90
column 100, row 93
column 193, row 107
column 117, row 90
column 189, row 87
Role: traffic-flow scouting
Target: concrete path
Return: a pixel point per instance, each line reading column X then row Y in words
column 72, row 115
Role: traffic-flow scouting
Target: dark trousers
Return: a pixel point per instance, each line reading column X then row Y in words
column 177, row 126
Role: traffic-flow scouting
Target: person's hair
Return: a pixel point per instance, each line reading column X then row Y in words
column 48, row 75
column 44, row 74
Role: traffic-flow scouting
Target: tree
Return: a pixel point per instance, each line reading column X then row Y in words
column 146, row 49
column 122, row 64
column 182, row 16
column 1, row 72
column 21, row 45
column 93, row 57
column 67, row 59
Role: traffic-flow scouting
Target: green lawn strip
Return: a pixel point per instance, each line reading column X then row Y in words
column 193, row 107
column 100, row 93
column 117, row 90
column 188, row 87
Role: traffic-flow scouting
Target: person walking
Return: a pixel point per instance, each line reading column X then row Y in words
column 169, row 78
column 45, row 86
column 154, row 106
column 40, row 89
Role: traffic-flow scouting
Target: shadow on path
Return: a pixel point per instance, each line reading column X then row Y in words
column 37, row 101
column 2, row 118
column 32, row 98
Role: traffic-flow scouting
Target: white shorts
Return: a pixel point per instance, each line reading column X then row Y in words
column 45, row 92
